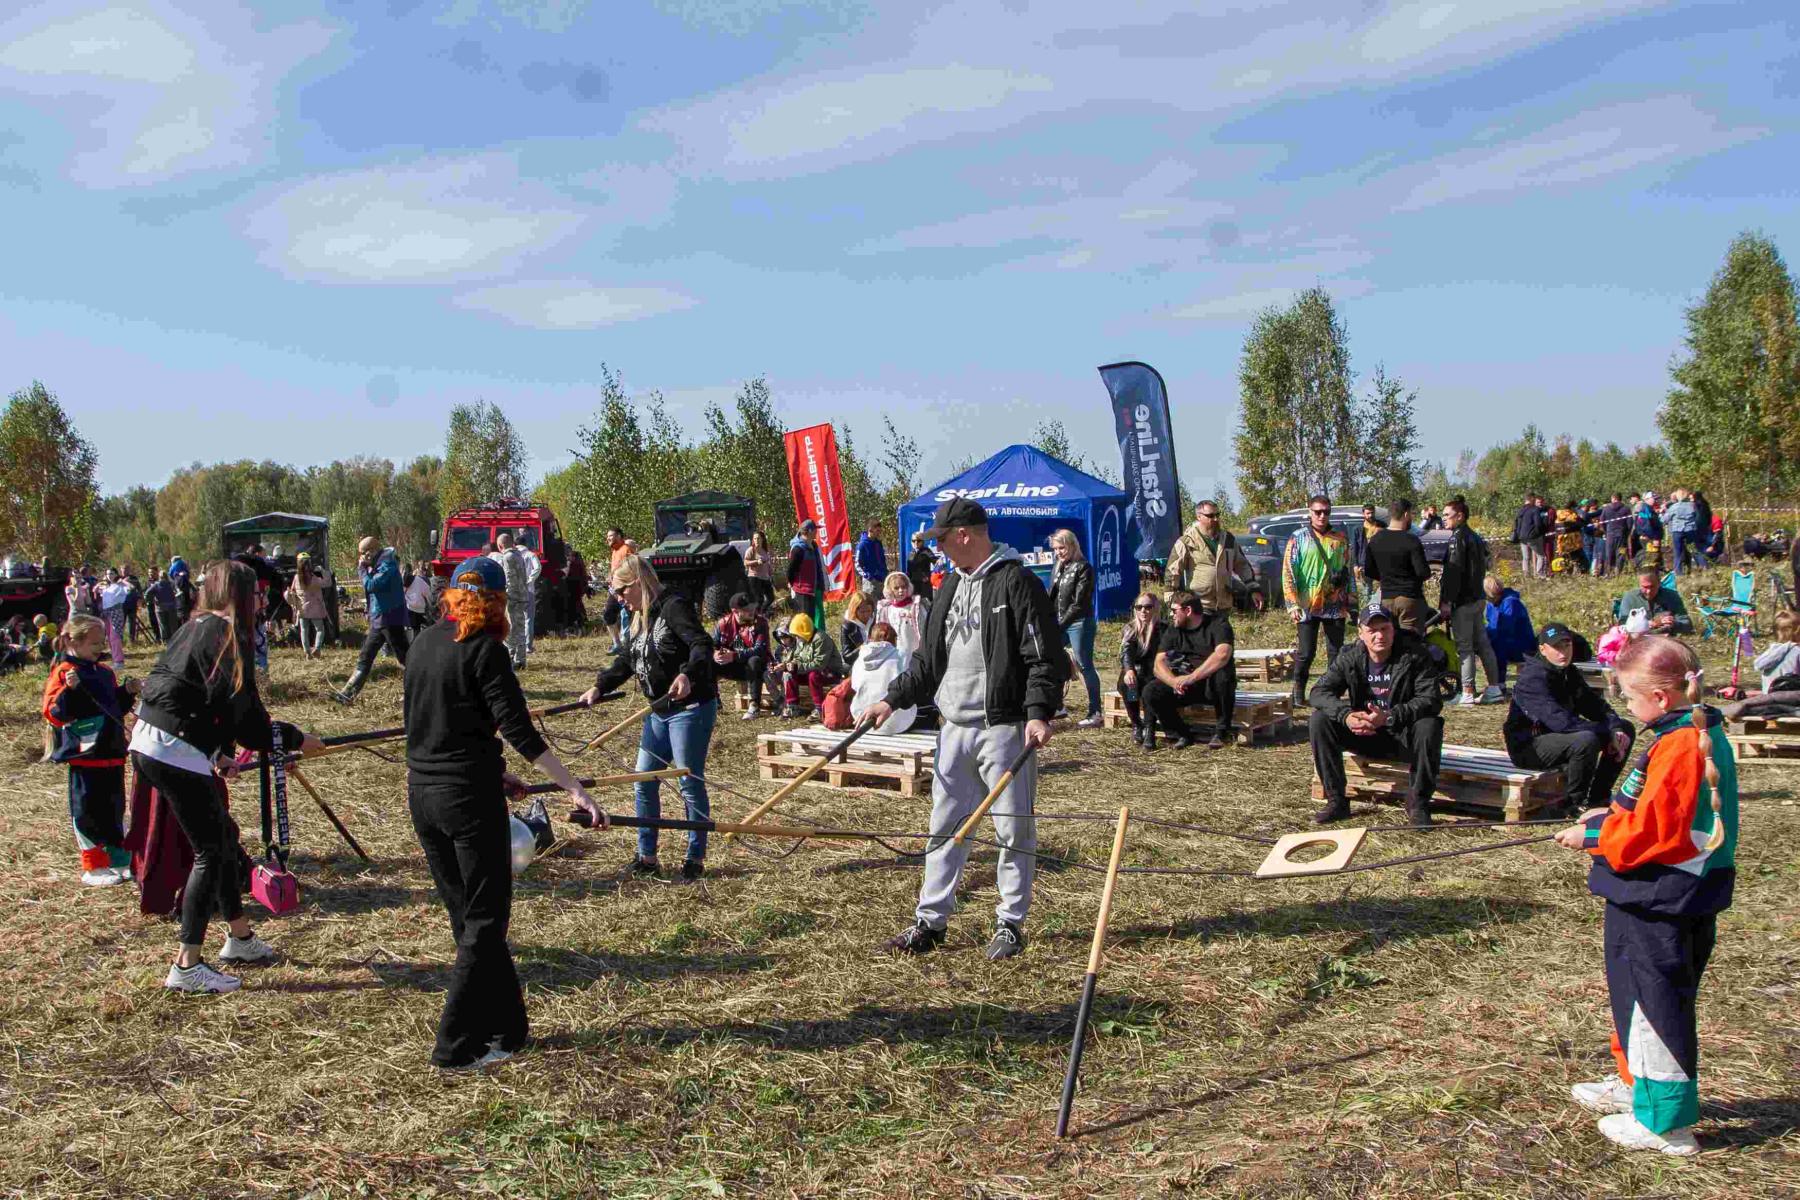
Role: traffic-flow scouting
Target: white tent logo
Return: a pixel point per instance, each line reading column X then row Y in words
column 1106, row 538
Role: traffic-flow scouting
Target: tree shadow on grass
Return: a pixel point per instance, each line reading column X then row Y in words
column 978, row 873
column 968, row 1032
column 1381, row 920
column 559, row 967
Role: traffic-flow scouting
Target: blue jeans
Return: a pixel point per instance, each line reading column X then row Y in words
column 1682, row 546
column 679, row 740
column 1080, row 639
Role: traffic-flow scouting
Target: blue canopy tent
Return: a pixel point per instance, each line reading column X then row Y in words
column 1029, row 495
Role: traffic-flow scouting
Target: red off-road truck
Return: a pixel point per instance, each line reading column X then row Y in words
column 532, row 526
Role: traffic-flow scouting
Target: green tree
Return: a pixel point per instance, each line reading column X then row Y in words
column 1298, row 424
column 1730, row 416
column 484, row 458
column 47, row 491
column 744, row 452
column 409, row 507
column 1389, row 440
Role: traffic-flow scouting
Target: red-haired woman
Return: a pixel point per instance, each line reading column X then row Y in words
column 460, row 692
column 199, row 699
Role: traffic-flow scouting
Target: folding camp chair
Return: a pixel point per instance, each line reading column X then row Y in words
column 1735, row 612
column 1780, row 592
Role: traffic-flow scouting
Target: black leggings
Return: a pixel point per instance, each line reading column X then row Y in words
column 398, row 640
column 216, row 880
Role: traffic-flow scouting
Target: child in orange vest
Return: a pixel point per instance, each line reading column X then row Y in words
column 86, row 705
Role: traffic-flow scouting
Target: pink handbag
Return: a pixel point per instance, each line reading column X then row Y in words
column 272, row 885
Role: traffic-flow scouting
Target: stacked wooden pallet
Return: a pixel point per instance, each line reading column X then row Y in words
column 898, row 761
column 741, row 700
column 1764, row 737
column 1259, row 716
column 1469, row 777
column 1602, row 678
column 1264, row 666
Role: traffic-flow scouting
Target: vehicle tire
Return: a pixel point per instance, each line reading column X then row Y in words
column 726, row 581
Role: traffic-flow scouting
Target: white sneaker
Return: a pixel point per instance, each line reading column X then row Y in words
column 749, row 714
column 1493, row 695
column 1610, row 1095
column 200, row 978
column 125, row 874
column 494, row 1055
column 1625, row 1130
column 1093, row 722
column 104, row 877
column 246, row 950
column 1468, row 700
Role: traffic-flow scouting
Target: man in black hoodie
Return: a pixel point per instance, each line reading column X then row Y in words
column 1379, row 699
column 992, row 660
column 1529, row 527
column 1558, row 722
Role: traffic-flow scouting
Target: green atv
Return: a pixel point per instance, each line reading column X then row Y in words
column 700, row 543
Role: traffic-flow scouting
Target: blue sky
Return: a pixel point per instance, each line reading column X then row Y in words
column 302, row 231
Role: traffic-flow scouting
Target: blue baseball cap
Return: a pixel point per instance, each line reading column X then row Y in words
column 493, row 579
column 1375, row 612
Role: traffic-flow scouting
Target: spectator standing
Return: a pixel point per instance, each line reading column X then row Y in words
column 87, row 703
column 128, row 577
column 871, row 561
column 576, row 581
column 1395, row 563
column 1432, row 522
column 1315, row 585
column 1462, row 604
column 1206, row 561
column 918, row 567
column 1680, row 524
column 1509, row 630
column 905, row 613
column 159, row 605
column 513, row 563
column 380, row 568
column 112, row 597
column 1647, row 533
column 1528, row 534
column 1615, row 531
column 618, row 549
column 741, row 649
column 1379, row 699
column 759, row 566
column 1072, row 595
column 1558, row 722
column 1137, row 661
column 1193, row 665
column 859, row 611
column 306, row 596
column 1359, row 550
column 182, row 578
column 418, row 596
column 806, row 574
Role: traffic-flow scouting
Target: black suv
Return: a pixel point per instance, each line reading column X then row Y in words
column 1266, row 539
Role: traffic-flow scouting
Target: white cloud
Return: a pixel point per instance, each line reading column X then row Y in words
column 1241, row 291
column 1445, row 29
column 1589, row 146
column 174, row 94
column 571, row 304
column 442, row 220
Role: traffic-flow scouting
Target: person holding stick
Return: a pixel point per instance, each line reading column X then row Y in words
column 198, row 700
column 462, row 697
column 671, row 655
column 993, row 661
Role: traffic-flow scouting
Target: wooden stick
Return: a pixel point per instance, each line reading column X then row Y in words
column 1012, row 769
column 600, row 739
column 1093, row 971
column 294, row 772
column 580, row 817
column 542, row 789
column 793, row 785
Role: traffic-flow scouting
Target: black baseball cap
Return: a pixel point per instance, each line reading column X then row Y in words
column 1555, row 631
column 1375, row 612
column 742, row 600
column 958, row 513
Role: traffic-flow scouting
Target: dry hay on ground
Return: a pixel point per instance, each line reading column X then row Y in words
column 1398, row 1033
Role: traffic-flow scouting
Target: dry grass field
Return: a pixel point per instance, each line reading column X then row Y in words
column 1407, row 1032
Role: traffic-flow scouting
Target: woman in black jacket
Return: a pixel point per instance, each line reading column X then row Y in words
column 1137, row 659
column 199, row 700
column 670, row 654
column 1072, row 592
column 460, row 693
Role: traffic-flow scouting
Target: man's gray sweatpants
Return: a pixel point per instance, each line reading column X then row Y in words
column 970, row 758
column 1468, row 625
column 519, row 631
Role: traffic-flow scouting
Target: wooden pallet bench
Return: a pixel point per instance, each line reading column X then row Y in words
column 895, row 761
column 1764, row 737
column 1264, row 666
column 1469, row 777
column 1601, row 677
column 1258, row 716
column 741, row 700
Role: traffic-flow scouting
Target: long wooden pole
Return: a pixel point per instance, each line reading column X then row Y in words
column 793, row 785
column 1012, row 769
column 580, row 817
column 1093, row 972
column 600, row 739
column 541, row 789
column 294, row 772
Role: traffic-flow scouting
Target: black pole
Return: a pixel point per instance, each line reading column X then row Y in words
column 1075, row 1047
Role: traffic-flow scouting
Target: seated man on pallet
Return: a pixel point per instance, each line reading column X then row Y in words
column 1193, row 666
column 1379, row 698
column 1558, row 722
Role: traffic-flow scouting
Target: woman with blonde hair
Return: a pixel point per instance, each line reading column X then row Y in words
column 1072, row 594
column 462, row 697
column 670, row 654
column 905, row 610
column 859, row 613
column 1137, row 665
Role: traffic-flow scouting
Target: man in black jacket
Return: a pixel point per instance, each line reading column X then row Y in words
column 1529, row 527
column 992, row 661
column 1558, row 721
column 1193, row 665
column 1463, row 604
column 1379, row 699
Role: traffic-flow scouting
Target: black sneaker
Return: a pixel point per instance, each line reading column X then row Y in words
column 692, row 869
column 1137, row 734
column 1334, row 810
column 1418, row 814
column 1217, row 741
column 1150, row 743
column 1009, row 940
column 917, row 938
column 638, row 868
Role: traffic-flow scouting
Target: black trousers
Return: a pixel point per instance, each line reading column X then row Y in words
column 1164, row 703
column 1588, row 771
column 397, row 640
column 468, row 846
column 216, row 881
column 1307, row 648
column 1419, row 745
column 751, row 668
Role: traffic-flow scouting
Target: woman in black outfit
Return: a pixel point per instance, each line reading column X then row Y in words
column 460, row 691
column 198, row 701
column 670, row 654
column 1072, row 592
column 1137, row 661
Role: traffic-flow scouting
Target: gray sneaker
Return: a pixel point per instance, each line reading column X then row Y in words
column 200, row 978
column 1009, row 940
